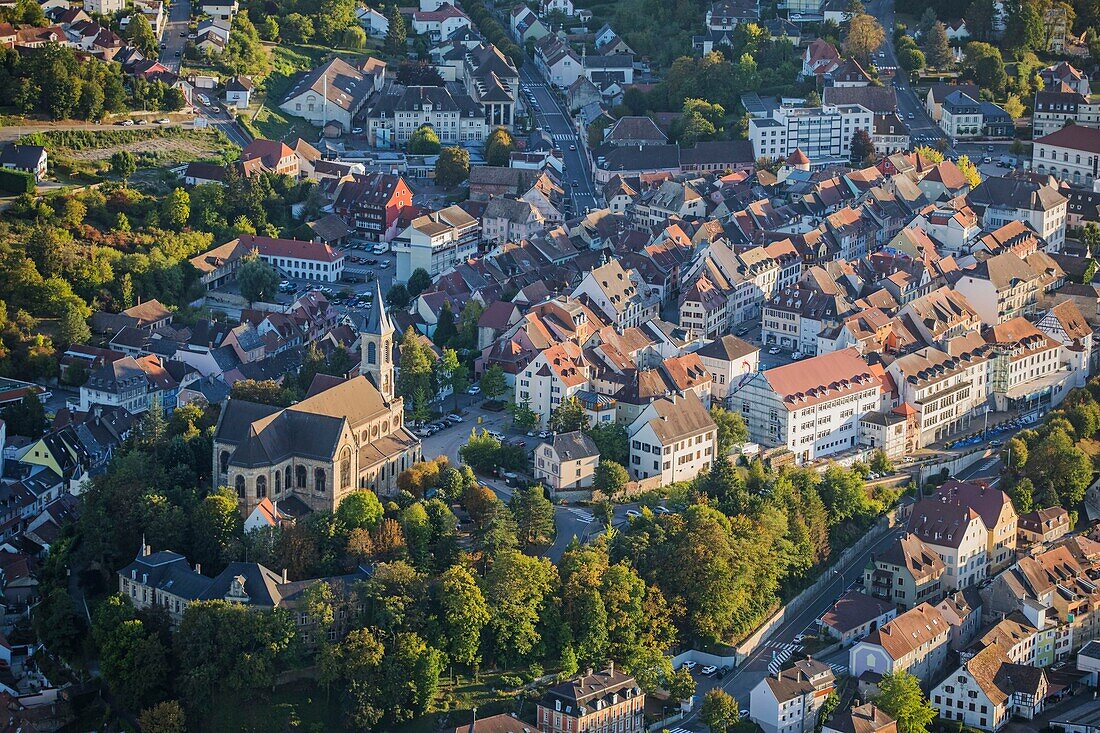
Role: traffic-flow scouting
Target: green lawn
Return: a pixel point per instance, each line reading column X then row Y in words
column 273, row 124
column 294, row 707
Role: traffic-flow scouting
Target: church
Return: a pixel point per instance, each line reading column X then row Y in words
column 344, row 436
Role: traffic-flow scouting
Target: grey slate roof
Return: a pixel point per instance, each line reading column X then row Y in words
column 574, row 446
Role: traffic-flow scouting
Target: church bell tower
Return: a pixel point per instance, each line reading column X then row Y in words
column 376, row 344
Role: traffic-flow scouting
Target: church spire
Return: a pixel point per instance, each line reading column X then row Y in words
column 378, row 321
column 376, row 346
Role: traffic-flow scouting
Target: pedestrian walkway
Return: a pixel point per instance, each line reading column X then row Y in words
column 564, row 137
column 839, row 669
column 581, row 514
column 780, row 654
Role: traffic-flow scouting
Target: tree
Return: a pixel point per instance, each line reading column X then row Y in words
column 865, row 34
column 216, row 526
column 257, row 279
column 26, row 417
column 901, row 698
column 680, row 684
column 731, row 429
column 1023, row 27
column 424, row 141
column 611, row 441
column 880, row 463
column 481, row 451
column 863, row 148
column 398, row 297
column 140, row 34
column 452, row 167
column 264, row 392
column 1090, row 237
column 493, row 383
column 568, row 416
column 464, row 614
column 969, row 171
column 1015, row 108
column 911, row 59
column 610, row 478
column 73, row 329
column 930, row 154
column 419, row 281
column 134, row 663
column 359, row 510
column 832, row 702
column 985, row 64
column 396, row 34
column 979, row 19
column 719, row 710
column 454, row 373
column 937, row 49
column 534, row 516
column 333, row 18
column 415, row 366
column 176, row 209
column 498, row 147
column 517, row 589
column 297, row 28
column 813, row 99
column 164, row 717
column 123, row 164
column 523, row 417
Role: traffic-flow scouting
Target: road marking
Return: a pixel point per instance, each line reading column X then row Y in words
column 839, row 669
column 581, row 514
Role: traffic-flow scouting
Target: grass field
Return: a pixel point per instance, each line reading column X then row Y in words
column 272, row 124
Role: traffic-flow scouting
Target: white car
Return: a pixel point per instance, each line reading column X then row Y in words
column 743, row 713
column 204, row 99
column 474, row 389
column 708, row 670
column 689, row 665
column 799, row 638
column 633, row 513
column 127, row 123
column 357, row 131
column 662, row 509
column 773, row 350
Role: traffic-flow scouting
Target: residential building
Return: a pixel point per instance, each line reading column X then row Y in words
column 615, row 293
column 946, row 392
column 854, row 615
column 729, row 360
column 238, row 92
column 908, row 573
column 789, row 701
column 436, row 242
column 1043, row 526
column 606, row 700
column 824, row 134
column 915, row 642
column 961, row 116
column 1027, row 369
column 1057, row 107
column 567, row 463
column 104, row 7
column 988, row 690
column 135, row 384
column 798, row 314
column 343, row 438
column 937, row 93
column 674, row 438
column 26, row 158
column 440, row 23
column 1063, row 73
column 1068, row 326
column 371, row 204
column 956, row 532
column 998, row 201
column 334, row 92
column 398, row 111
column 1071, row 154
column 997, row 513
column 511, row 220
column 866, row 718
column 555, row 374
column 269, row 156
column 291, row 257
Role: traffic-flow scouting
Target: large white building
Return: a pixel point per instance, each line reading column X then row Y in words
column 957, row 533
column 999, row 201
column 915, row 642
column 335, row 91
column 1071, row 154
column 436, row 241
column 789, row 701
column 811, row 407
column 555, row 374
column 673, row 438
column 824, row 133
column 399, row 111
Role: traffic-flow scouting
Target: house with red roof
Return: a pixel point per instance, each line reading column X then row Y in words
column 371, row 204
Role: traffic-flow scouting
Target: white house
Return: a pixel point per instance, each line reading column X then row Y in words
column 729, row 360
column 374, row 23
column 673, row 438
column 788, row 702
column 555, row 374
column 916, row 642
column 1071, row 154
column 1066, row 325
column 988, row 690
column 957, row 533
column 26, row 158
column 618, row 294
column 440, row 23
column 436, row 242
column 238, row 92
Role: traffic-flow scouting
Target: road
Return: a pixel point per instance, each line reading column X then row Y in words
column 171, row 56
column 555, row 120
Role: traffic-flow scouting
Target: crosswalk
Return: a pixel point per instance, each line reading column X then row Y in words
column 839, row 669
column 564, row 137
column 988, row 464
column 782, row 652
column 581, row 514
column 678, row 730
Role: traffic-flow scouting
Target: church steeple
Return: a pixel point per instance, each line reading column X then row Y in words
column 376, row 345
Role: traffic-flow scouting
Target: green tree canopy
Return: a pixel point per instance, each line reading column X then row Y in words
column 257, row 279
column 424, row 141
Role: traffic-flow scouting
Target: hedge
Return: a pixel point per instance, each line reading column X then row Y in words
column 16, row 181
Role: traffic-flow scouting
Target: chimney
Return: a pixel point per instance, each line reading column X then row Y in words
column 285, row 578
column 198, row 568
column 588, row 672
column 611, row 667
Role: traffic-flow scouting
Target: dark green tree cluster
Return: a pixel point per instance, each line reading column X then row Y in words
column 50, row 80
column 1046, row 466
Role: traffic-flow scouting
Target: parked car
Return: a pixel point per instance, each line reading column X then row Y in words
column 689, row 665
column 708, row 670
column 474, row 389
column 357, row 131
column 633, row 513
column 454, row 418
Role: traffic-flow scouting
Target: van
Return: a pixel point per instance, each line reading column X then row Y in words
column 381, row 248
